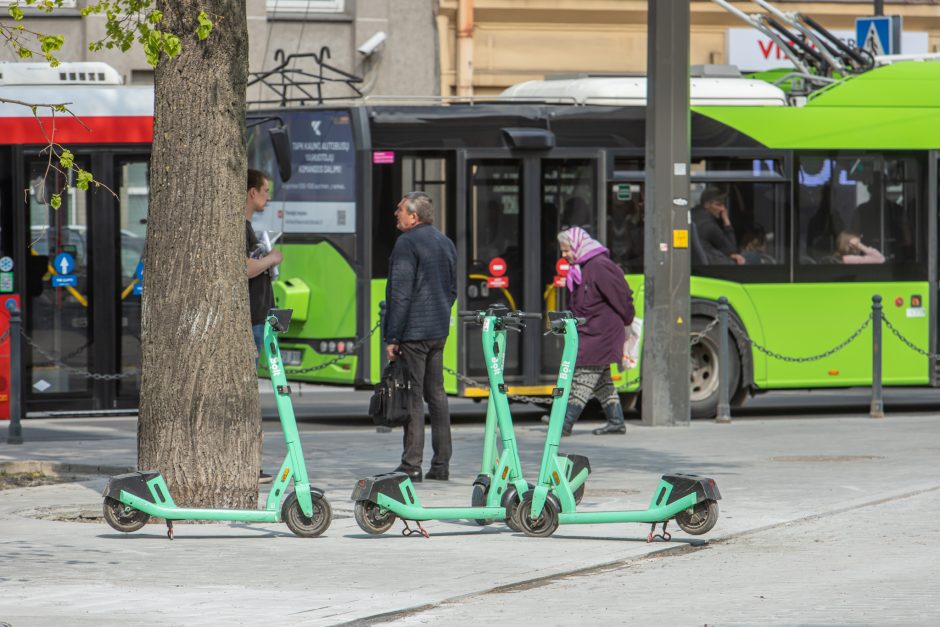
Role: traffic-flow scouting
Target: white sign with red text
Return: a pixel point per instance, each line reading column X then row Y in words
column 752, row 51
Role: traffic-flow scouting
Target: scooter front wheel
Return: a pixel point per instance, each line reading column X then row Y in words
column 544, row 524
column 300, row 524
column 478, row 499
column 373, row 519
column 700, row 519
column 122, row 517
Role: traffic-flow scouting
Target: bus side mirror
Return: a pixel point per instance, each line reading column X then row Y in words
column 280, row 140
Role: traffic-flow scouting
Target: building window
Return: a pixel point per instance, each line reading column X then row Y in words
column 306, row 7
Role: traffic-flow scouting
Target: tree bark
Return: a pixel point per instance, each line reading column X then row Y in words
column 200, row 419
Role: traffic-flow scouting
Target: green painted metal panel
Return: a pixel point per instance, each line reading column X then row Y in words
column 331, row 310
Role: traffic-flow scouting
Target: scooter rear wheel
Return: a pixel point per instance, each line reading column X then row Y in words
column 542, row 526
column 373, row 519
column 700, row 520
column 301, row 525
column 122, row 517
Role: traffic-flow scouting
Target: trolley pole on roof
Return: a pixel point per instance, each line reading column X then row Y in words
column 666, row 258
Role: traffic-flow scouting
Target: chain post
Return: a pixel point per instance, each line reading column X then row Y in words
column 724, row 376
column 383, row 358
column 15, row 433
column 877, row 402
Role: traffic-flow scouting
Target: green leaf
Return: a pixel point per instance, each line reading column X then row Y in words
column 15, row 12
column 154, row 16
column 24, row 53
column 67, row 159
column 83, row 179
column 56, row 201
column 205, row 26
column 51, row 42
column 171, row 45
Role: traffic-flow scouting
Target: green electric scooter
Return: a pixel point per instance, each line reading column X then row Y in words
column 691, row 499
column 131, row 499
column 578, row 467
column 381, row 499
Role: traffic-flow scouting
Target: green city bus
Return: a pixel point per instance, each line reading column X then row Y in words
column 507, row 174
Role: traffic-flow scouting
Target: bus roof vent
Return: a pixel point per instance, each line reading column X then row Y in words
column 76, row 73
column 715, row 71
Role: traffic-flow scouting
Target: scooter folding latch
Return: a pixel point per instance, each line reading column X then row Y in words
column 558, row 391
column 502, row 388
column 283, row 390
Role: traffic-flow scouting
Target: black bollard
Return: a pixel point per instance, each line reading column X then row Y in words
column 724, row 377
column 877, row 402
column 15, row 434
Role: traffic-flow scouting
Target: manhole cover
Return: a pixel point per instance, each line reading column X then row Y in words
column 825, row 458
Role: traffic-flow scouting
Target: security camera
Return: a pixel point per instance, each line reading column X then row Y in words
column 372, row 44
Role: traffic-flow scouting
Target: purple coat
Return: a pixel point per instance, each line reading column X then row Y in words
column 605, row 300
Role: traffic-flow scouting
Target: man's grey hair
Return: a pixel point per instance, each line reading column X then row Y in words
column 421, row 204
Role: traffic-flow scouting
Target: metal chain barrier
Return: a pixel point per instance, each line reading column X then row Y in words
column 356, row 345
column 697, row 337
column 58, row 361
column 790, row 359
column 907, row 342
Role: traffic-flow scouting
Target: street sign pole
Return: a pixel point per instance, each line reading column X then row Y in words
column 665, row 378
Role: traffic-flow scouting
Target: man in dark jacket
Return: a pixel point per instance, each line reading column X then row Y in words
column 714, row 230
column 421, row 289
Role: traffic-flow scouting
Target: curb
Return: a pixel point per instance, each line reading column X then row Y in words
column 60, row 468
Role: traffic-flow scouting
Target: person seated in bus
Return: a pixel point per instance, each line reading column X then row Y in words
column 625, row 232
column 850, row 249
column 898, row 238
column 715, row 233
column 754, row 247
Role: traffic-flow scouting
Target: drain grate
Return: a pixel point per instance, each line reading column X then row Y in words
column 825, row 458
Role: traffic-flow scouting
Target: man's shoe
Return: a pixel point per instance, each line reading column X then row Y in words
column 414, row 475
column 546, row 418
column 438, row 474
column 264, row 477
column 610, row 428
column 566, row 430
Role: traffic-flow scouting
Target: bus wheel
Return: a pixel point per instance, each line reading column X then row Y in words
column 705, row 370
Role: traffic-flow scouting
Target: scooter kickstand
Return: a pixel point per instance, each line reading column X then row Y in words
column 408, row 531
column 665, row 536
column 169, row 529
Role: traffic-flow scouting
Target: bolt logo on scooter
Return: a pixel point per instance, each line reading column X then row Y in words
column 690, row 499
column 131, row 499
column 381, row 499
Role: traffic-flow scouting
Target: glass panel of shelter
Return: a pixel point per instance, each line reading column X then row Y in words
column 59, row 302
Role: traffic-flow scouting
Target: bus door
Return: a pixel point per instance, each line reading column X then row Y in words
column 82, row 285
column 515, row 208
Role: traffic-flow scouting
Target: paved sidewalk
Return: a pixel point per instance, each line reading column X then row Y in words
column 771, row 472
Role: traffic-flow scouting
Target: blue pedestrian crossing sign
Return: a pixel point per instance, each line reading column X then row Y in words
column 879, row 35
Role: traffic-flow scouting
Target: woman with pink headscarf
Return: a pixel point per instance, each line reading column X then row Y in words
column 600, row 295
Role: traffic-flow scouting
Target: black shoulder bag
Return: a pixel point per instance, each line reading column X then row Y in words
column 390, row 403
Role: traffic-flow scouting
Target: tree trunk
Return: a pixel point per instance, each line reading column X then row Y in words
column 200, row 418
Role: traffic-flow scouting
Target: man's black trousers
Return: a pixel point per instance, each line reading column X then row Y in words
column 425, row 364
